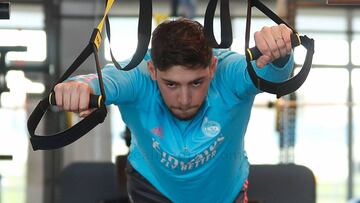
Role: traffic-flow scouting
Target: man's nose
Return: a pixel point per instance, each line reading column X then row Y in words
column 184, row 97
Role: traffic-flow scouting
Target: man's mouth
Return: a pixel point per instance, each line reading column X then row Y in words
column 186, row 109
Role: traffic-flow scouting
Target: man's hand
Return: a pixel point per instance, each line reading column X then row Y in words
column 73, row 96
column 273, row 42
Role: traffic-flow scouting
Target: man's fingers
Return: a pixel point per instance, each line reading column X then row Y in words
column 263, row 60
column 66, row 98
column 74, row 99
column 72, row 95
column 261, row 44
column 279, row 39
column 271, row 36
column 270, row 42
column 273, row 42
column 282, row 47
column 286, row 35
column 58, row 95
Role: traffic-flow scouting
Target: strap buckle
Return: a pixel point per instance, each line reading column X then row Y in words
column 96, row 38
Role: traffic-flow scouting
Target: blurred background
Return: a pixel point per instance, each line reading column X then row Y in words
column 318, row 126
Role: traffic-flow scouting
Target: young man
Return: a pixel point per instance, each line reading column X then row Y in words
column 188, row 107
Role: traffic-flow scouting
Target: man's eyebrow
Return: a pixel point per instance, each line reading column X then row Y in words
column 169, row 81
column 198, row 79
column 195, row 80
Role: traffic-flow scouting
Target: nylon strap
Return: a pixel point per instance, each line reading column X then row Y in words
column 61, row 139
column 70, row 135
column 225, row 24
column 144, row 35
column 98, row 37
column 290, row 85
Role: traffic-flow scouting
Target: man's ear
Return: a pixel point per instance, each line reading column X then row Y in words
column 152, row 70
column 212, row 66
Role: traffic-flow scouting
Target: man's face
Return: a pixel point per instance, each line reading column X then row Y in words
column 183, row 89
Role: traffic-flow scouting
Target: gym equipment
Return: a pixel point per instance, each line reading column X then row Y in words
column 70, row 135
column 280, row 89
column 4, row 10
column 282, row 183
column 292, row 84
column 90, row 182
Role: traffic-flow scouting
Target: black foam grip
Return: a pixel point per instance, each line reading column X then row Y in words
column 255, row 52
column 93, row 103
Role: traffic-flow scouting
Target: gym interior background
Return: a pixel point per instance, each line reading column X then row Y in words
column 317, row 126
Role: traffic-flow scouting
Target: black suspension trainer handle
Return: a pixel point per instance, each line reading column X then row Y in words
column 61, row 139
column 95, row 101
column 254, row 53
column 70, row 135
column 292, row 84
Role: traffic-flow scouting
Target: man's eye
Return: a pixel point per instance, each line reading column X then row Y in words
column 197, row 83
column 171, row 85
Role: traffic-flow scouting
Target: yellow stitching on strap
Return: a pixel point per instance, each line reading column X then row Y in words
column 107, row 9
column 99, row 101
column 250, row 54
column 101, row 24
column 97, row 40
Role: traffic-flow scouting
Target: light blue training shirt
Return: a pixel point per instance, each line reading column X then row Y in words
column 201, row 160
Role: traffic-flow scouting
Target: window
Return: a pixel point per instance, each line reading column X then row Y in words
column 34, row 40
column 25, row 28
column 318, row 19
column 330, row 49
column 117, row 130
column 356, row 21
column 356, row 132
column 324, row 95
column 20, row 15
column 262, row 144
column 321, row 140
column 20, row 31
column 355, row 46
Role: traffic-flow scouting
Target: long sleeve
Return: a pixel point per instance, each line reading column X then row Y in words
column 235, row 76
column 121, row 87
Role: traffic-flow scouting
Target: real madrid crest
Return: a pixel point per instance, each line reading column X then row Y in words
column 210, row 128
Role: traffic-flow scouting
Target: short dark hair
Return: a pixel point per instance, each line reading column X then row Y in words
column 180, row 42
